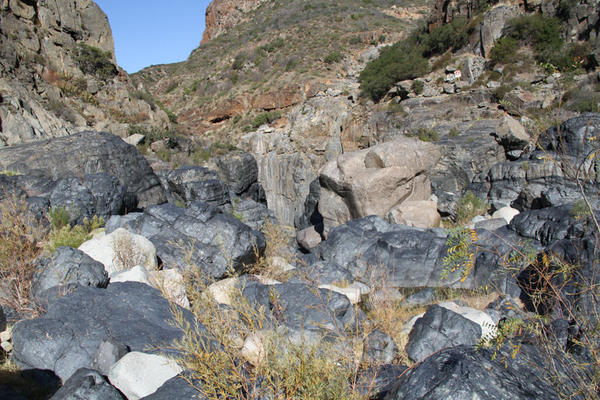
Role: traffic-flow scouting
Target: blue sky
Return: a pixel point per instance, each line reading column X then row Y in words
column 148, row 32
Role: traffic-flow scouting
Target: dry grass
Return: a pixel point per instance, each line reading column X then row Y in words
column 277, row 252
column 21, row 242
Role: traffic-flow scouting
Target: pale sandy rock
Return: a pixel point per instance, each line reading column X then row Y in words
column 488, row 327
column 121, row 250
column 135, row 274
column 139, row 374
column 351, row 292
column 135, row 139
column 171, row 283
column 374, row 180
column 418, row 213
column 508, row 213
column 308, row 238
column 222, row 290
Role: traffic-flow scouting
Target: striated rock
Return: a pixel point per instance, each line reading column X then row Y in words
column 67, row 266
column 193, row 183
column 492, row 27
column 374, row 180
column 199, row 236
column 467, row 372
column 88, row 153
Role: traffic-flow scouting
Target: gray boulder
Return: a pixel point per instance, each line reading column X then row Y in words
column 66, row 267
column 379, row 348
column 88, row 153
column 70, row 195
column 440, row 328
column 574, row 137
column 108, row 193
column 89, row 385
column 69, row 334
column 240, row 171
column 547, row 225
column 217, row 241
column 465, row 372
column 252, row 213
column 194, row 183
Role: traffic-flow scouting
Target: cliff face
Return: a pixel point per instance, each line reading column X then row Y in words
column 58, row 73
column 222, row 15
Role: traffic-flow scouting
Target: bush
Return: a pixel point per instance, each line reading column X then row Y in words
column 398, row 62
column 469, row 206
column 425, row 135
column 94, row 61
column 505, row 50
column 418, row 86
column 238, row 61
column 21, row 238
column 265, row 118
column 453, row 35
column 73, row 236
column 333, row 57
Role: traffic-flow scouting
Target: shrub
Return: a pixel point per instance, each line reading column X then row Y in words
column 210, row 352
column 238, row 61
column 418, row 86
column 453, row 35
column 333, row 57
column 505, row 50
column 94, row 61
column 21, row 237
column 73, row 236
column 468, row 206
column 265, row 118
column 425, row 135
column 398, row 62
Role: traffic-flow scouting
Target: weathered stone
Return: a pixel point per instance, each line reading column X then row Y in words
column 308, row 238
column 89, row 152
column 440, row 328
column 87, row 384
column 372, row 181
column 419, row 213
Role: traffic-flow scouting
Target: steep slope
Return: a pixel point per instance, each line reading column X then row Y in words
column 270, row 55
column 58, row 74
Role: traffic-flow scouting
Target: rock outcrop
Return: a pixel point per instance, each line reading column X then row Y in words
column 224, row 14
column 58, row 73
column 374, row 180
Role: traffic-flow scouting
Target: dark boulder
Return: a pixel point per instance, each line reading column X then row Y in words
column 215, row 241
column 376, row 382
column 547, row 225
column 440, row 328
column 465, row 372
column 89, row 385
column 69, row 334
column 67, row 266
column 109, row 194
column 379, row 348
column 575, row 137
column 193, row 183
column 70, row 194
column 252, row 213
column 88, row 153
column 240, row 171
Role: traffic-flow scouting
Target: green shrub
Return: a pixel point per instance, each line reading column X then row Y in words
column 273, row 45
column 238, row 61
column 172, row 87
column 418, row 86
column 453, row 35
column 59, row 217
column 468, row 207
column 265, row 118
column 333, row 57
column 425, row 135
column 398, row 62
column 505, row 50
column 94, row 61
column 73, row 236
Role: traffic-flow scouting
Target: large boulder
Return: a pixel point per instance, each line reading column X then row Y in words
column 465, row 372
column 240, row 171
column 215, row 242
column 66, row 267
column 88, row 153
column 193, row 183
column 440, row 328
column 68, row 336
column 374, row 180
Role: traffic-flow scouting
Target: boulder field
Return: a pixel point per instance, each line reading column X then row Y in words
column 105, row 328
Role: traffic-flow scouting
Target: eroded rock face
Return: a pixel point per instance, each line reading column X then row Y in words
column 46, row 90
column 374, row 180
column 224, row 14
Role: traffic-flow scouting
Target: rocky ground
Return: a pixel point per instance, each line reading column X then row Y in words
column 297, row 238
